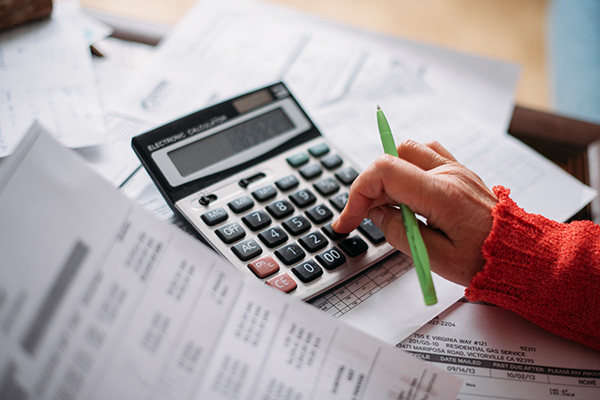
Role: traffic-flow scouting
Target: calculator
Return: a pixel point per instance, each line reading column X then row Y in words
column 257, row 181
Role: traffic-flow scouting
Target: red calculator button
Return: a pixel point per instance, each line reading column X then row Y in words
column 283, row 282
column 264, row 267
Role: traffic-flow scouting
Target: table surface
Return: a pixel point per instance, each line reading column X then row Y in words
column 509, row 30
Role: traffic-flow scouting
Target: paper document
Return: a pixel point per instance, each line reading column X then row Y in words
column 226, row 47
column 501, row 355
column 46, row 74
column 100, row 300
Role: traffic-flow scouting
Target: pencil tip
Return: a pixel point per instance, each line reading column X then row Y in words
column 378, row 108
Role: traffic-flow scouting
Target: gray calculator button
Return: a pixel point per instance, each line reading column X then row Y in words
column 265, row 193
column 332, row 161
column 313, row 241
column 231, row 232
column 307, row 271
column 280, row 209
column 327, row 186
column 319, row 214
column 333, row 235
column 215, row 216
column 319, row 150
column 311, row 171
column 297, row 160
column 303, row 198
column 256, row 220
column 339, row 201
column 296, row 225
column 347, row 175
column 273, row 237
column 241, row 204
column 371, row 231
column 247, row 249
column 287, row 183
column 290, row 254
column 331, row 258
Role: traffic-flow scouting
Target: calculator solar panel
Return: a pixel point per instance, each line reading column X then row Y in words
column 259, row 183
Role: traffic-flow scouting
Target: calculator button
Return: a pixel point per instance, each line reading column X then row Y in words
column 265, row 193
column 353, row 246
column 264, row 266
column 256, row 220
column 339, row 202
column 283, row 282
column 347, row 175
column 371, row 231
column 247, row 249
column 311, row 171
column 290, row 254
column 319, row 214
column 215, row 216
column 297, row 160
column 230, row 232
column 307, row 271
column 332, row 161
column 319, row 150
column 327, row 186
column 331, row 234
column 296, row 225
column 280, row 209
column 313, row 241
column 241, row 204
column 303, row 198
column 287, row 183
column 273, row 236
column 331, row 258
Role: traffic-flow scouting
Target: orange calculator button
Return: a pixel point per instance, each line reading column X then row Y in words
column 283, row 282
column 264, row 267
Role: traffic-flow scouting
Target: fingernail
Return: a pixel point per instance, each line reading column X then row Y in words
column 376, row 215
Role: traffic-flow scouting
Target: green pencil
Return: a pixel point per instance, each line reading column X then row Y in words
column 415, row 241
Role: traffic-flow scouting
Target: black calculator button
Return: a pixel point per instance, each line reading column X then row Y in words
column 346, row 175
column 290, row 254
column 273, row 236
column 231, row 232
column 297, row 160
column 319, row 150
column 331, row 234
column 327, row 186
column 339, row 202
column 287, row 183
column 319, row 214
column 215, row 216
column 280, row 209
column 303, row 198
column 265, row 193
column 296, row 225
column 313, row 241
column 311, row 171
column 331, row 258
column 247, row 249
column 332, row 161
column 371, row 231
column 353, row 246
column 256, row 220
column 241, row 204
column 307, row 271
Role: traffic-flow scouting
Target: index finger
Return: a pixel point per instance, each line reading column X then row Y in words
column 389, row 180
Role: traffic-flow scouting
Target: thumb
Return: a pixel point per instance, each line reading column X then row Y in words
column 389, row 220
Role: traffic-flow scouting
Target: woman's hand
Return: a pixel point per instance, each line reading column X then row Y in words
column 454, row 200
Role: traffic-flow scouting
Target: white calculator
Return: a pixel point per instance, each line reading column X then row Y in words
column 257, row 181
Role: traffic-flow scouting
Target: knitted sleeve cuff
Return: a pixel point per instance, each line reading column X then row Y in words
column 547, row 272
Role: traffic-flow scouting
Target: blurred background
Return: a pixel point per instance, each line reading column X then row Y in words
column 556, row 42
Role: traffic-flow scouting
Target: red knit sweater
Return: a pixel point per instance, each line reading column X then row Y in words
column 545, row 271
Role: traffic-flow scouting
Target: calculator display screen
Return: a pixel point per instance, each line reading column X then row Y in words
column 229, row 142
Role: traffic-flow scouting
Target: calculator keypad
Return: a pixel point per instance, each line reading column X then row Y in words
column 279, row 226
